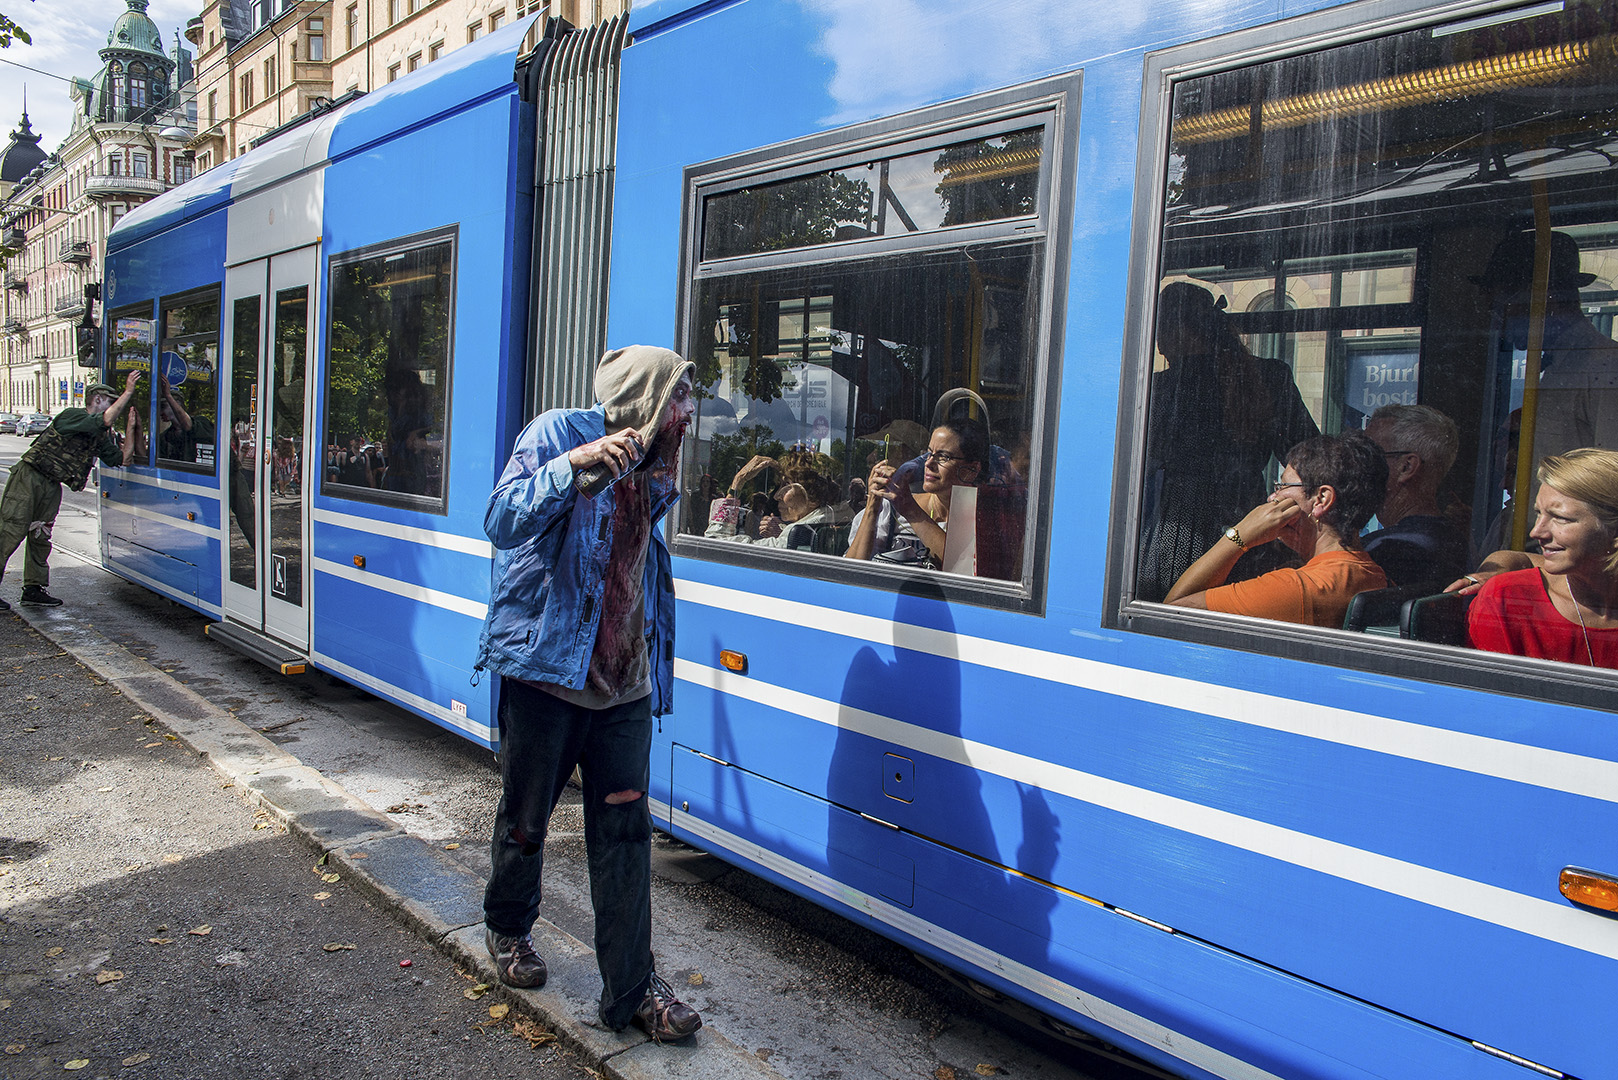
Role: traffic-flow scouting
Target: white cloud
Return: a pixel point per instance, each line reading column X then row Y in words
column 66, row 40
column 890, row 55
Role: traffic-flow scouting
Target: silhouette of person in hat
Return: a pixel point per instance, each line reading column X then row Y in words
column 1578, row 380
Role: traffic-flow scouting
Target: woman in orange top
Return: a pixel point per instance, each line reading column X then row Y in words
column 1330, row 488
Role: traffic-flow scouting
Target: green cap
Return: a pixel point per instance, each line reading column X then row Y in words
column 99, row 388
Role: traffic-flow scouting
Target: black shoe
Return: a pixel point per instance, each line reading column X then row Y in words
column 4, row 606
column 36, row 594
column 663, row 1016
column 516, row 961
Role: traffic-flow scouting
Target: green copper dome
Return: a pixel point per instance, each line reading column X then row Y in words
column 135, row 32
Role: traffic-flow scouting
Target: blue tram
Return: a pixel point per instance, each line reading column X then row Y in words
column 1237, row 846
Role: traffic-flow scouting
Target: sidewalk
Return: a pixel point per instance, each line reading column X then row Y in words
column 417, row 883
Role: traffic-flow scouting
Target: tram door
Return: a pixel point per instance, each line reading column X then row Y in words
column 269, row 324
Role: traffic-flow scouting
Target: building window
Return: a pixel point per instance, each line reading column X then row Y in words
column 881, row 308
column 434, row 51
column 204, row 162
column 393, row 72
column 183, row 171
column 394, row 11
column 387, row 391
column 315, row 50
column 351, row 25
column 187, row 385
column 497, row 20
column 269, row 76
column 247, row 90
column 140, row 165
column 115, row 165
column 473, row 31
column 413, row 62
column 213, row 107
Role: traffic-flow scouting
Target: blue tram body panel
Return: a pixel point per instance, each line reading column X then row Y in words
column 1372, row 859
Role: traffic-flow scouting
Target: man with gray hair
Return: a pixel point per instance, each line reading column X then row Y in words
column 1416, row 544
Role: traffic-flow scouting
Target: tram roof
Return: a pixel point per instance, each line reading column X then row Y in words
column 481, row 69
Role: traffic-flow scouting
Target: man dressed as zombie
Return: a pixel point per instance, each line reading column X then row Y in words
column 61, row 454
column 581, row 630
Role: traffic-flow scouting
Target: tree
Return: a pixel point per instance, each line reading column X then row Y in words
column 9, row 30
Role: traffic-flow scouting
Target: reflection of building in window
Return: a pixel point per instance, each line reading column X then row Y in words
column 1423, row 218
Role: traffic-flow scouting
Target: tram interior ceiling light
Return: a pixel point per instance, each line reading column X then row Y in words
column 1514, row 71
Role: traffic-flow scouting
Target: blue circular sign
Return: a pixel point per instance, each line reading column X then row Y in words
column 173, row 368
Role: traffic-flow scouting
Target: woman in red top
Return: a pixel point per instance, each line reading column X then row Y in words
column 1330, row 488
column 1566, row 607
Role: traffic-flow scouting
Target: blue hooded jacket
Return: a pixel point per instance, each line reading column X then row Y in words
column 552, row 544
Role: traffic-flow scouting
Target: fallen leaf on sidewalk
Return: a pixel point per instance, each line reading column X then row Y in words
column 135, row 1059
column 16, row 1048
column 472, row 993
column 322, row 896
column 103, row 790
column 160, row 940
column 695, row 978
column 498, row 1012
column 989, row 1070
column 452, row 847
column 103, row 977
column 200, row 931
column 131, row 868
column 943, row 1072
column 329, row 878
column 337, row 946
column 76, row 1064
column 55, row 950
column 529, row 1030
column 322, row 861
column 171, row 858
column 167, row 735
column 5, row 1003
column 260, row 825
column 149, row 745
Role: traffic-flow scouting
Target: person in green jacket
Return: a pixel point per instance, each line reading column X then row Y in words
column 61, row 454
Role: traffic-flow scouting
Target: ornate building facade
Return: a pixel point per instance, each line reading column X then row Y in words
column 264, row 63
column 131, row 123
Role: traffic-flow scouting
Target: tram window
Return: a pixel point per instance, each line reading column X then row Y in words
column 131, row 335
column 1410, row 238
column 187, row 385
column 875, row 322
column 387, row 380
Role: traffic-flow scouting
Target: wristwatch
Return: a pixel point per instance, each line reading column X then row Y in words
column 1235, row 537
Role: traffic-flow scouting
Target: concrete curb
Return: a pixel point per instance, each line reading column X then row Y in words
column 435, row 897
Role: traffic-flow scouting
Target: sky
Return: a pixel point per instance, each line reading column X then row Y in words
column 67, row 36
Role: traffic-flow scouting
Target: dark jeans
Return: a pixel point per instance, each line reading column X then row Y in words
column 541, row 738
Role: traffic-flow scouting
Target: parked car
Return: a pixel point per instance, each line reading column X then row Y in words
column 8, row 423
column 33, row 424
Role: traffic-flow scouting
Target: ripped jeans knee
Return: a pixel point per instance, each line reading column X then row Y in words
column 618, row 798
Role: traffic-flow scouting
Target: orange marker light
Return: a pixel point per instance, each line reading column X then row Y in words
column 1590, row 889
column 359, row 561
column 733, row 661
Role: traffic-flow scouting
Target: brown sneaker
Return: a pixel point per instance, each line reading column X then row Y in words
column 663, row 1016
column 516, row 961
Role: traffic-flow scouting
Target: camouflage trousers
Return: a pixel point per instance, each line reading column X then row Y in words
column 27, row 512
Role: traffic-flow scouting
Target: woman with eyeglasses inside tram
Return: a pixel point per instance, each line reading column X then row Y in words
column 899, row 526
column 1330, row 488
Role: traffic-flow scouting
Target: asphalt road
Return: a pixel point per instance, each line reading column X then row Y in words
column 152, row 923
column 809, row 992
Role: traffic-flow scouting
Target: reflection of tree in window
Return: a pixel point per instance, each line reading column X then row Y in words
column 389, row 363
column 790, row 214
column 990, row 179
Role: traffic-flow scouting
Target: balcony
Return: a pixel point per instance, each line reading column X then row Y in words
column 100, row 186
column 75, row 251
column 15, row 328
column 70, row 307
column 16, row 280
column 14, row 237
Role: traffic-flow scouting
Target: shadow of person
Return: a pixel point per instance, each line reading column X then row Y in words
column 922, row 782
